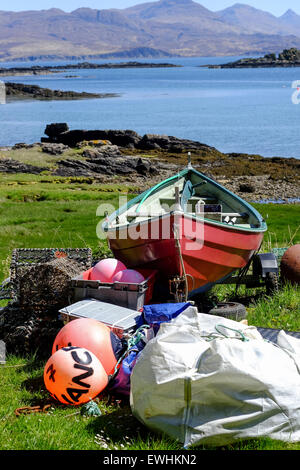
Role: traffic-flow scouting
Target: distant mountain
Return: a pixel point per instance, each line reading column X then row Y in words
column 158, row 28
column 170, row 12
column 257, row 21
column 291, row 20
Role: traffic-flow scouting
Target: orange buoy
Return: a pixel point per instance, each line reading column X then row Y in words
column 74, row 376
column 92, row 335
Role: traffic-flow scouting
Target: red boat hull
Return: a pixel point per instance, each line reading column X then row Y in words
column 208, row 252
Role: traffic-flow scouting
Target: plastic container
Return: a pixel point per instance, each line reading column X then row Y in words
column 129, row 295
column 122, row 321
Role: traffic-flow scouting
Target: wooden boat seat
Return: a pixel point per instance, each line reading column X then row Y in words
column 206, row 206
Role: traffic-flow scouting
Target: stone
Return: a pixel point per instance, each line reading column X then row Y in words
column 73, row 138
column 54, row 129
column 170, row 144
column 54, row 149
column 104, row 151
column 14, row 166
column 247, row 188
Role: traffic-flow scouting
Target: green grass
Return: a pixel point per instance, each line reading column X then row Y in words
column 283, row 224
column 36, row 157
column 48, row 212
column 64, row 428
column 44, row 211
column 281, row 311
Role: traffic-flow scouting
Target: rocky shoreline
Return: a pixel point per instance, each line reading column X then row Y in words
column 287, row 58
column 44, row 70
column 142, row 161
column 18, row 91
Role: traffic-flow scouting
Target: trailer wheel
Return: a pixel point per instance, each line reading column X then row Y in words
column 272, row 283
column 231, row 310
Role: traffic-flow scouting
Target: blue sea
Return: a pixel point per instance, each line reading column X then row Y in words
column 249, row 111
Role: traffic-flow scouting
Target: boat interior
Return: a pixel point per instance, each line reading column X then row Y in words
column 193, row 195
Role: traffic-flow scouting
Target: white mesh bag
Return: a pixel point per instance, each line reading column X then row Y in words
column 209, row 380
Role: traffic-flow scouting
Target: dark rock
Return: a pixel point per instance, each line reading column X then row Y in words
column 108, row 164
column 54, row 149
column 287, row 58
column 14, row 166
column 54, row 129
column 22, row 145
column 247, row 188
column 144, row 167
column 71, row 167
column 127, row 139
column 122, row 138
column 23, row 91
column 47, row 69
column 169, row 143
column 104, row 151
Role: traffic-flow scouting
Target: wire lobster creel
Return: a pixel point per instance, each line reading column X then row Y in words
column 24, row 259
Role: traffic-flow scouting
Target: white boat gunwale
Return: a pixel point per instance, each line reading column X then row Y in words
column 262, row 226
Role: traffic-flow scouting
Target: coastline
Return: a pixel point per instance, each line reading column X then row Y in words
column 287, row 58
column 20, row 91
column 51, row 69
column 103, row 155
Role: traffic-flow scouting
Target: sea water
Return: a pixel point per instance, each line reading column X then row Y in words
column 234, row 110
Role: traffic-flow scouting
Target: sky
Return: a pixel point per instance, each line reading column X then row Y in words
column 277, row 7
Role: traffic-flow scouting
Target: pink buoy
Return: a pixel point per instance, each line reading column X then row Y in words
column 106, row 269
column 129, row 275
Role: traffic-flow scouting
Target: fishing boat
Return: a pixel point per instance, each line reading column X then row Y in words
column 188, row 227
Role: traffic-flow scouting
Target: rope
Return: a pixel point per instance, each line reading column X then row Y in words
column 181, row 261
column 131, row 342
column 90, row 409
column 243, row 337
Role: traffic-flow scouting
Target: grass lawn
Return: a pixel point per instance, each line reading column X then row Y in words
column 64, row 428
column 47, row 212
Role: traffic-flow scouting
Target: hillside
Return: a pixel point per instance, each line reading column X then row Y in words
column 253, row 20
column 159, row 28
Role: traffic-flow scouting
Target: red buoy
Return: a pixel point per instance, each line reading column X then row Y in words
column 92, row 335
column 290, row 265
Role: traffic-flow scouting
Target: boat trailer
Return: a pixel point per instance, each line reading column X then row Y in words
column 261, row 271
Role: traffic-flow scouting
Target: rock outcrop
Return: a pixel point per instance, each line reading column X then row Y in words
column 49, row 69
column 169, row 143
column 8, row 165
column 54, row 149
column 287, row 58
column 122, row 138
column 60, row 133
column 100, row 162
column 25, row 91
